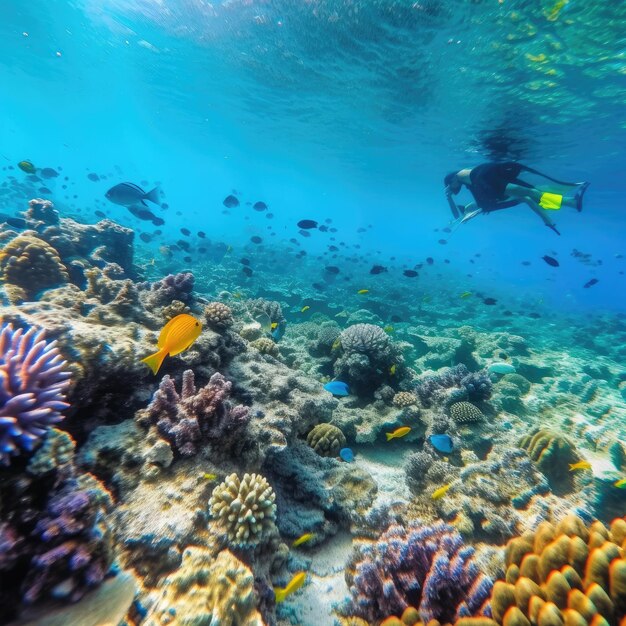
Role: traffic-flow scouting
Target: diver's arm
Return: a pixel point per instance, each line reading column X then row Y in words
column 451, row 203
column 542, row 214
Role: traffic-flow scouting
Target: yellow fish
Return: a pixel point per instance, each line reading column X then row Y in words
column 177, row 335
column 621, row 483
column 304, row 309
column 392, row 369
column 336, row 344
column 210, row 476
column 237, row 295
column 398, row 432
column 441, row 492
column 554, row 13
column 293, row 585
column 466, row 294
column 303, row 539
column 389, row 328
column 581, row 465
column 27, row 166
column 539, row 58
column 362, row 292
column 274, row 325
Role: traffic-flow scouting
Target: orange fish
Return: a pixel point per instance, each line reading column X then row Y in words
column 581, row 465
column 398, row 432
column 177, row 335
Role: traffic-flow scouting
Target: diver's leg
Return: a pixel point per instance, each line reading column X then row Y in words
column 522, row 193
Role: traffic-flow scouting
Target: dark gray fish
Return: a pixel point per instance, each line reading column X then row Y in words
column 259, row 206
column 145, row 237
column 93, row 177
column 141, row 213
column 246, row 270
column 410, row 273
column 378, row 269
column 158, row 221
column 15, row 222
column 591, row 283
column 307, row 224
column 201, row 234
column 550, row 260
column 185, row 231
column 129, row 194
column 332, row 269
column 230, row 202
column 304, row 233
column 256, row 239
column 48, row 172
column 100, row 214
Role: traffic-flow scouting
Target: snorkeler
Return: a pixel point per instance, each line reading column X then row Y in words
column 496, row 186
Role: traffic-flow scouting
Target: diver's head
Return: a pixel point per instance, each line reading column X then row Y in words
column 452, row 182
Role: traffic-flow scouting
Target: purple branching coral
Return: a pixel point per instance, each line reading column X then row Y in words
column 165, row 291
column 33, row 384
column 455, row 384
column 195, row 415
column 427, row 567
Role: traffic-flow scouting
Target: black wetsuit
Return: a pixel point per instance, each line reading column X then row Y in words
column 489, row 181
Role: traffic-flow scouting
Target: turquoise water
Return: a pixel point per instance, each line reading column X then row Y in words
column 118, row 503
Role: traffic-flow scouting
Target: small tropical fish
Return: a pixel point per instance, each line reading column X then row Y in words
column 378, row 269
column 362, row 292
column 346, row 454
column 177, row 335
column 442, row 443
column 263, row 319
column 490, row 301
column 342, row 314
column 466, row 294
column 230, row 202
column 237, row 295
column 392, row 369
column 274, row 325
column 398, row 432
column 620, row 484
column 410, row 273
column 210, row 476
column 501, row 368
column 307, row 224
column 336, row 344
column 581, row 465
column 441, row 492
column 389, row 328
column 337, row 388
column 129, row 194
column 151, row 262
column 591, row 283
column 259, row 206
column 27, row 166
column 550, row 260
column 293, row 585
column 555, row 11
column 303, row 539
column 49, row 172
column 304, row 309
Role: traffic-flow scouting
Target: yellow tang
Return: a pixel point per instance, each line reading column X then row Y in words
column 303, row 539
column 441, row 492
column 274, row 325
column 304, row 309
column 209, row 476
column 581, row 465
column 177, row 335
column 392, row 369
column 27, row 166
column 389, row 328
column 466, row 294
column 362, row 292
column 336, row 344
column 293, row 585
column 398, row 432
column 621, row 483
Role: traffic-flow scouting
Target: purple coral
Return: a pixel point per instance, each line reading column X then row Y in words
column 427, row 567
column 194, row 415
column 32, row 389
column 455, row 384
column 172, row 287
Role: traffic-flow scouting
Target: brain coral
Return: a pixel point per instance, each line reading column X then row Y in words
column 569, row 574
column 404, row 398
column 31, row 264
column 218, row 315
column 326, row 439
column 33, row 384
column 427, row 567
column 364, row 338
column 245, row 509
column 465, row 412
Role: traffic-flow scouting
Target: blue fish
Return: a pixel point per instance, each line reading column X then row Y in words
column 441, row 443
column 346, row 454
column 277, row 333
column 337, row 388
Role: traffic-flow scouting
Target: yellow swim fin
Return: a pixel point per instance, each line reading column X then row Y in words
column 551, row 201
column 155, row 360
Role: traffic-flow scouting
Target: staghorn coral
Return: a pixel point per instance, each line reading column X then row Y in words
column 31, row 264
column 245, row 509
column 565, row 574
column 33, row 385
column 465, row 412
column 427, row 567
column 207, row 589
column 403, row 399
column 455, row 384
column 551, row 453
column 195, row 415
column 326, row 440
column 218, row 315
column 265, row 346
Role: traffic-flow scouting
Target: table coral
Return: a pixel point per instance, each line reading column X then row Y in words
column 33, row 384
column 245, row 509
column 427, row 567
column 565, row 574
column 326, row 440
column 195, row 416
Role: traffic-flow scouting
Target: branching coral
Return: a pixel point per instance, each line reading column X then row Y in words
column 245, row 509
column 195, row 415
column 33, row 384
column 456, row 384
column 427, row 567
column 569, row 574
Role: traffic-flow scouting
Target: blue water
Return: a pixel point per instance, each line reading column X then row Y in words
column 347, row 110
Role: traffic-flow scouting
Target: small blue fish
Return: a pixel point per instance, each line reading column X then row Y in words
column 277, row 333
column 441, row 443
column 337, row 388
column 346, row 454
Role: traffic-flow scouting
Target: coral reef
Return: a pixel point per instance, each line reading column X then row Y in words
column 326, row 440
column 456, row 384
column 404, row 399
column 465, row 412
column 265, row 346
column 195, row 416
column 218, row 315
column 245, row 509
column 568, row 574
column 33, row 385
column 427, row 567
